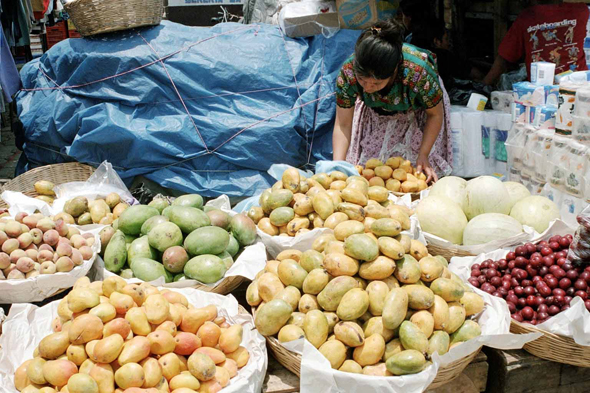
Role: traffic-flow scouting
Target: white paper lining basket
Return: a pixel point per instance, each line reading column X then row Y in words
column 44, row 286
column 27, row 324
column 565, row 338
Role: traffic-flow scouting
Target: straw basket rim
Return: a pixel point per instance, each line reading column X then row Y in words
column 55, row 173
column 292, row 362
column 553, row 347
column 92, row 17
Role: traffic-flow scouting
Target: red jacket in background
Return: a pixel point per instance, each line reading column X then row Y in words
column 553, row 33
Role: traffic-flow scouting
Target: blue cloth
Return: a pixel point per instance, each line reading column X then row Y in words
column 9, row 78
column 237, row 83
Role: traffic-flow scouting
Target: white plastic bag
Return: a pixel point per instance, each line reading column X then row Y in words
column 27, row 324
column 573, row 323
column 101, row 183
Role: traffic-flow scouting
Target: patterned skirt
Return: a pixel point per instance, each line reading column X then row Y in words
column 380, row 136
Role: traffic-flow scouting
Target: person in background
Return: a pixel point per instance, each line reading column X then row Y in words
column 390, row 102
column 435, row 37
column 414, row 14
column 550, row 31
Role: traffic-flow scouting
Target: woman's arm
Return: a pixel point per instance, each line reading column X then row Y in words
column 434, row 121
column 342, row 132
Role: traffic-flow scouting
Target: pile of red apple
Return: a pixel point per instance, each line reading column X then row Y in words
column 536, row 280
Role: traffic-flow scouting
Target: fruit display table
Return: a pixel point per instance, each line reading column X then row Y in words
column 518, row 371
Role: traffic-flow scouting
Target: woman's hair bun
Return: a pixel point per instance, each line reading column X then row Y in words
column 378, row 51
column 388, row 30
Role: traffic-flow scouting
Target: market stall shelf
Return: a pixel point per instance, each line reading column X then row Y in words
column 517, row 371
column 553, row 347
column 93, row 17
column 56, row 173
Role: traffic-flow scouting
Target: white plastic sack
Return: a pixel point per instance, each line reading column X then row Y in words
column 27, row 324
column 573, row 323
column 248, row 264
column 318, row 376
column 39, row 288
column 19, row 202
column 100, row 184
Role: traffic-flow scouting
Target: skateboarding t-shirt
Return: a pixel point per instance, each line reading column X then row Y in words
column 553, row 33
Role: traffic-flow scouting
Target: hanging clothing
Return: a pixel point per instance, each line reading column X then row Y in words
column 14, row 19
column 23, row 24
column 9, row 78
column 40, row 8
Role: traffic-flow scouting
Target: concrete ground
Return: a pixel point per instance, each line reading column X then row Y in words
column 9, row 154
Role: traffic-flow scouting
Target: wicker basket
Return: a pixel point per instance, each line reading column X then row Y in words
column 93, row 17
column 448, row 253
column 57, row 174
column 292, row 362
column 553, row 347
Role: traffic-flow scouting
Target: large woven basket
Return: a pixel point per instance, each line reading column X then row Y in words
column 93, row 17
column 552, row 346
column 292, row 362
column 448, row 253
column 56, row 173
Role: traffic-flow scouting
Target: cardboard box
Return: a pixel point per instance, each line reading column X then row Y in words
column 360, row 14
column 309, row 18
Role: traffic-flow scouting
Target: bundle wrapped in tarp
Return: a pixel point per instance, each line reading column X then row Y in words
column 204, row 110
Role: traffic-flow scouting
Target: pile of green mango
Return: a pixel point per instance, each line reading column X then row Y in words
column 178, row 241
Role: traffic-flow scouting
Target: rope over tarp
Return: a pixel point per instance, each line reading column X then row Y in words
column 204, row 110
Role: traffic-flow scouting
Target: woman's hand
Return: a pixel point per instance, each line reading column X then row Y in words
column 423, row 165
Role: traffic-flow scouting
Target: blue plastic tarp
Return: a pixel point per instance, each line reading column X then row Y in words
column 255, row 98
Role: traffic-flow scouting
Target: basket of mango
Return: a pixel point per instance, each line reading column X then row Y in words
column 373, row 303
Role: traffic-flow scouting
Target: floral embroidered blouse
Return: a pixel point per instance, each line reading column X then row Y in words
column 416, row 87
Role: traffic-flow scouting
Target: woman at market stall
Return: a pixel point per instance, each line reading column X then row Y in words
column 391, row 102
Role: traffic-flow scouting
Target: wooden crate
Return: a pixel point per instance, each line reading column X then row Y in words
column 519, row 372
column 473, row 380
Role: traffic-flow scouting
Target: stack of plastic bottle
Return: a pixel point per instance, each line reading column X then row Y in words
column 549, row 144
